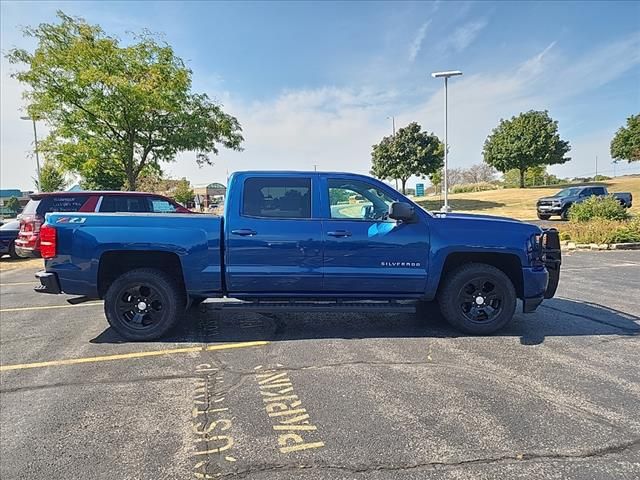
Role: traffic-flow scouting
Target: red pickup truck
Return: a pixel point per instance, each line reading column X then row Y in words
column 28, row 242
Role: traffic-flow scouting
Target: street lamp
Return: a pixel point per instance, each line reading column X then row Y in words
column 393, row 126
column 35, row 138
column 446, row 75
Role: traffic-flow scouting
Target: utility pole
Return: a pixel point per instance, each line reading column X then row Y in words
column 596, row 167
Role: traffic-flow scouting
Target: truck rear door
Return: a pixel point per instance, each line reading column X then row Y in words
column 273, row 235
column 364, row 252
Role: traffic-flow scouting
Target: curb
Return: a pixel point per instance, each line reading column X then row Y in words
column 567, row 245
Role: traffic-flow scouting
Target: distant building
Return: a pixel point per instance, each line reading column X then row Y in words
column 210, row 194
column 6, row 194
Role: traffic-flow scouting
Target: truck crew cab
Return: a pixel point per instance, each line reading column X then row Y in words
column 293, row 241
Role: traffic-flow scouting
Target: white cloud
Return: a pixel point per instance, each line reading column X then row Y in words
column 464, row 35
column 416, row 44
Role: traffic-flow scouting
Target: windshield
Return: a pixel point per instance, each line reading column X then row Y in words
column 568, row 192
column 12, row 225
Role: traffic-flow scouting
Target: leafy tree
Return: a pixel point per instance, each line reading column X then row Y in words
column 183, row 192
column 626, row 142
column 478, row 173
column 51, row 178
column 525, row 141
column 436, row 179
column 13, row 204
column 410, row 152
column 116, row 109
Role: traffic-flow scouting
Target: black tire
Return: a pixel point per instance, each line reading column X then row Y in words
column 12, row 252
column 463, row 289
column 564, row 215
column 143, row 304
column 544, row 217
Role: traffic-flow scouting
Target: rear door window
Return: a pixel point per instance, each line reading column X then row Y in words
column 160, row 205
column 71, row 203
column 275, row 197
column 598, row 191
column 124, row 203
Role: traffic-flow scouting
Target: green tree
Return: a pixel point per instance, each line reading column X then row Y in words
column 13, row 204
column 436, row 179
column 52, row 178
column 525, row 141
column 116, row 109
column 410, row 152
column 625, row 145
column 183, row 192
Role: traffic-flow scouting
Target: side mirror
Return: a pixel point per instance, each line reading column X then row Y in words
column 401, row 211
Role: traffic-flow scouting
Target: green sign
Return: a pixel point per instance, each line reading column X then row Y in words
column 419, row 189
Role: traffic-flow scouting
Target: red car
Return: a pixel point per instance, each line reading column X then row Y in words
column 28, row 242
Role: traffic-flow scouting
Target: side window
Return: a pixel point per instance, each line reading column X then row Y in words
column 598, row 191
column 62, row 204
column 121, row 203
column 160, row 205
column 357, row 200
column 274, row 197
column 586, row 192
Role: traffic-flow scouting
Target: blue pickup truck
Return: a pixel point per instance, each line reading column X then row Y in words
column 300, row 241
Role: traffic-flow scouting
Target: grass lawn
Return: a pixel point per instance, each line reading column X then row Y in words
column 521, row 202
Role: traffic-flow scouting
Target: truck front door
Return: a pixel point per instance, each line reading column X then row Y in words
column 364, row 251
column 273, row 239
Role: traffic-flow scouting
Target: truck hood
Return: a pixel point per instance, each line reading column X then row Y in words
column 475, row 221
column 559, row 199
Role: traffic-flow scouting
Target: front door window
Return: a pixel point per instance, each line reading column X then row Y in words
column 355, row 200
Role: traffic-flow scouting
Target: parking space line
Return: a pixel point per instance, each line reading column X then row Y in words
column 17, row 283
column 127, row 356
column 48, row 307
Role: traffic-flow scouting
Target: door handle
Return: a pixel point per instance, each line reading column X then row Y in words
column 244, row 232
column 339, row 233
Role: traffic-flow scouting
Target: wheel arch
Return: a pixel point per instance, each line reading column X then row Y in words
column 508, row 263
column 114, row 263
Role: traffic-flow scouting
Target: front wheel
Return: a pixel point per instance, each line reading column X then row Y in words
column 477, row 298
column 544, row 217
column 143, row 304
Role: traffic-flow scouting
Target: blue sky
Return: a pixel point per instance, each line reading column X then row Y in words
column 314, row 83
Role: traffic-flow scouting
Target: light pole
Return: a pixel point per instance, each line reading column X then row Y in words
column 393, row 129
column 446, row 75
column 35, row 139
column 393, row 124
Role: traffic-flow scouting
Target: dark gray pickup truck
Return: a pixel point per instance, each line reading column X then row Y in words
column 560, row 203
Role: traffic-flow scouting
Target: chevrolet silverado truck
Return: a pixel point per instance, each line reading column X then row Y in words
column 298, row 241
column 560, row 203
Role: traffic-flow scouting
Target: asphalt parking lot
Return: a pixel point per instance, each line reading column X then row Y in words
column 344, row 396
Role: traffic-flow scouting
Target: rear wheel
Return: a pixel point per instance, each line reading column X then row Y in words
column 143, row 304
column 12, row 251
column 477, row 298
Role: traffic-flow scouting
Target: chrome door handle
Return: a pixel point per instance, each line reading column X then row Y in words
column 339, row 233
column 244, row 232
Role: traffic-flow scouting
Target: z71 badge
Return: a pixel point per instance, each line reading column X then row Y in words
column 71, row 220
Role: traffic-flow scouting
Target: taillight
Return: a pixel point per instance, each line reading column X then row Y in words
column 47, row 241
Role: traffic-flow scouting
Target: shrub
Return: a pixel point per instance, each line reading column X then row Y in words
column 602, row 231
column 628, row 232
column 598, row 207
column 474, row 187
